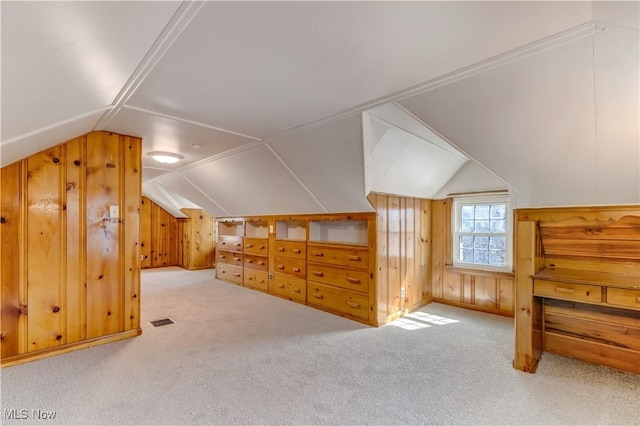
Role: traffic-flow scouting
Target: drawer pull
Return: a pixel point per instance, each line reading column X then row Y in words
column 262, row 247
column 261, row 263
column 353, row 304
column 354, row 258
column 317, row 253
column 281, row 286
column 565, row 290
column 297, row 251
column 223, row 271
column 353, row 280
column 261, row 281
column 223, row 243
column 236, row 275
column 223, row 257
column 237, row 259
column 296, row 269
column 249, row 261
column 280, row 266
column 296, row 290
column 249, row 245
column 238, row 245
column 281, row 249
column 318, row 273
column 318, row 296
column 250, row 278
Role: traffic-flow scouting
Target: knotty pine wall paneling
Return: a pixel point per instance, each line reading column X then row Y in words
column 145, row 232
column 402, row 241
column 72, row 277
column 198, row 239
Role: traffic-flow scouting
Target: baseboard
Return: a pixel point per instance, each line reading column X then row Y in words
column 63, row 349
column 474, row 307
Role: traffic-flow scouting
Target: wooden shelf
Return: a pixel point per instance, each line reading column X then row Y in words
column 589, row 277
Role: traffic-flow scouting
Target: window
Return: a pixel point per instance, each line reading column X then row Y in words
column 482, row 233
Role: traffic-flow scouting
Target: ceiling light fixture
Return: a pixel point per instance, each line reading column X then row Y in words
column 165, row 157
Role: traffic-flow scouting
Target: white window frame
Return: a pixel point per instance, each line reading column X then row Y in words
column 456, row 222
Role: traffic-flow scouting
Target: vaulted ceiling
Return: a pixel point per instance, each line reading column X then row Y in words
column 264, row 99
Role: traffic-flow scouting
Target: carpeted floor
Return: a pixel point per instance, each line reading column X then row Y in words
column 236, row 356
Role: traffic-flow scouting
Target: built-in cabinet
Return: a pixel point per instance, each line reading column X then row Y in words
column 330, row 261
column 578, row 281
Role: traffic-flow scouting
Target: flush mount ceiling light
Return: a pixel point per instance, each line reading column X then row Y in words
column 165, row 157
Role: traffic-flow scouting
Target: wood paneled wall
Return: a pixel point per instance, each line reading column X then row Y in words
column 169, row 241
column 160, row 236
column 475, row 289
column 403, row 236
column 199, row 240
column 70, row 273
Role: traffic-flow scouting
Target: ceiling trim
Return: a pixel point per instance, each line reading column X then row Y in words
column 206, row 196
column 294, row 176
column 184, row 120
column 53, row 126
column 547, row 43
column 174, row 28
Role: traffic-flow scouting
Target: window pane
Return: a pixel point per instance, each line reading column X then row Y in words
column 481, row 243
column 482, row 226
column 497, row 243
column 466, row 241
column 482, row 211
column 498, row 257
column 498, row 225
column 467, row 212
column 466, row 255
column 467, row 225
column 481, row 256
column 498, row 211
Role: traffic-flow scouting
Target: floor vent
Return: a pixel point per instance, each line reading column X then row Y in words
column 158, row 323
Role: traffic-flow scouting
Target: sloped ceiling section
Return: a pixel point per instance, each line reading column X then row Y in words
column 560, row 130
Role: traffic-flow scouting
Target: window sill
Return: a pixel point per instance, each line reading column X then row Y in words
column 481, row 272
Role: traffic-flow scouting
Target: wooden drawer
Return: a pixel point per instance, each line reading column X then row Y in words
column 260, row 263
column 229, row 273
column 348, row 303
column 295, row 267
column 624, row 297
column 294, row 249
column 229, row 242
column 352, row 279
column 353, row 257
column 256, row 246
column 258, row 280
column 229, row 257
column 568, row 291
column 290, row 287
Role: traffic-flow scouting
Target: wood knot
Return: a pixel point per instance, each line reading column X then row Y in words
column 3, row 220
column 76, row 162
column 56, row 160
column 135, row 296
column 59, row 337
column 109, row 313
column 100, row 277
column 70, row 186
column 56, row 309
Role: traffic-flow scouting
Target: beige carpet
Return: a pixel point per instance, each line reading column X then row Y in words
column 236, row 356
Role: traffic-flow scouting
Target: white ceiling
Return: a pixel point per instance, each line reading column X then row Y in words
column 271, row 91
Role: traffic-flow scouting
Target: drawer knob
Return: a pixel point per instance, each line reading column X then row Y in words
column 354, row 258
column 638, row 299
column 262, row 247
column 249, row 261
column 565, row 290
column 223, row 272
column 297, row 251
column 238, row 245
column 223, row 243
column 281, row 286
column 353, row 280
column 296, row 269
column 297, row 290
column 318, row 296
column 261, row 263
column 249, row 245
column 280, row 248
column 250, row 278
column 318, row 273
column 280, row 266
column 317, row 253
column 223, row 257
column 261, row 281
column 353, row 304
column 236, row 275
column 237, row 259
